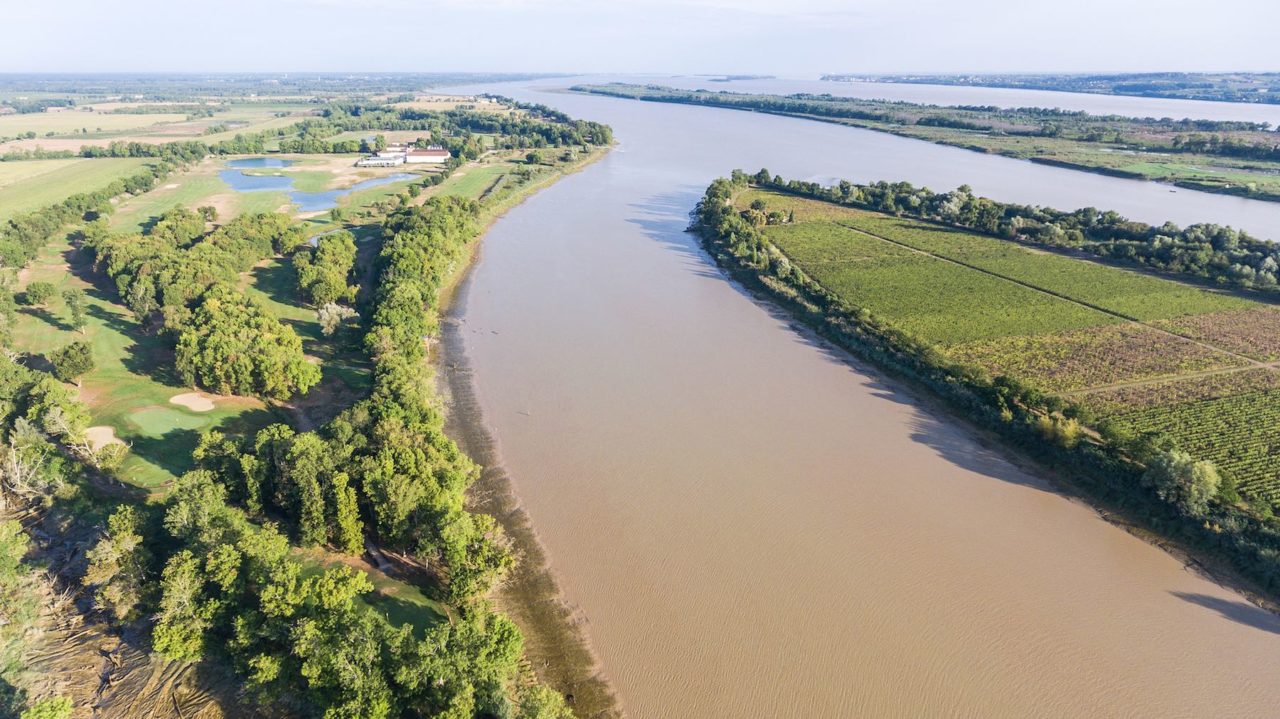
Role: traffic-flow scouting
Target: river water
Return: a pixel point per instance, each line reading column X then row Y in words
column 754, row 527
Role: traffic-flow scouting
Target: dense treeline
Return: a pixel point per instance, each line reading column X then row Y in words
column 33, row 105
column 1227, row 138
column 1033, row 121
column 44, row 457
column 1147, row 476
column 221, row 585
column 225, row 341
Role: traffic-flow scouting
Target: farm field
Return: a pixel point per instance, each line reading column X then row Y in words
column 33, row 184
column 62, row 122
column 1148, row 354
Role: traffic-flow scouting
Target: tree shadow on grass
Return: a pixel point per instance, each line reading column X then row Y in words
column 278, row 281
column 46, row 317
column 148, row 355
column 170, row 451
column 401, row 611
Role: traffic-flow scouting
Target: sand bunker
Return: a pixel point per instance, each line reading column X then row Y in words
column 101, row 436
column 194, row 401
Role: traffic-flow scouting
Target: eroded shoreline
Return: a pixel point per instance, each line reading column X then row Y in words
column 556, row 643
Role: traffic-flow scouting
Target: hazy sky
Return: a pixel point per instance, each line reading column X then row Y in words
column 789, row 37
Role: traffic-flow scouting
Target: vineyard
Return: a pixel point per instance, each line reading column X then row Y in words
column 1150, row 355
column 1240, row 434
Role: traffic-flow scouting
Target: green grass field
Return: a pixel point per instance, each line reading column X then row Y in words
column 30, row 185
column 475, row 181
column 1152, row 354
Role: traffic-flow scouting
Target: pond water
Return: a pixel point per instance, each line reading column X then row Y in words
column 752, row 526
column 240, row 181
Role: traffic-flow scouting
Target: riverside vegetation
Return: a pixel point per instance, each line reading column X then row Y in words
column 1147, row 387
column 1236, row 158
column 251, row 561
column 1261, row 87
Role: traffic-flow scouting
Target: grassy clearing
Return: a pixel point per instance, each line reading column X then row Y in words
column 400, row 602
column 30, row 185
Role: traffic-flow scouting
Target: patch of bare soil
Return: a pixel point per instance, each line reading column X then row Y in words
column 194, row 401
column 101, row 436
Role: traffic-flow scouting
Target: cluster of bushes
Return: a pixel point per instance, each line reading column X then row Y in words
column 1146, row 475
column 225, row 341
column 1204, row 251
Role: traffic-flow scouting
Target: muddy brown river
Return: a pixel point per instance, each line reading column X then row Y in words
column 754, row 527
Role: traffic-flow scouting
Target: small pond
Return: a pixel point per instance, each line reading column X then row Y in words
column 239, row 181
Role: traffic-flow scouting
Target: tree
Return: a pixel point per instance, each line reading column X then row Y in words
column 348, row 530
column 333, row 316
column 533, row 158
column 184, row 613
column 75, row 306
column 38, row 294
column 308, row 462
column 323, row 270
column 542, row 702
column 72, row 361
column 1183, row 481
column 208, row 212
column 232, row 345
column 118, row 566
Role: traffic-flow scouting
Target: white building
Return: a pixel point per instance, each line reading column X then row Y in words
column 431, row 155
column 380, row 161
column 402, row 154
